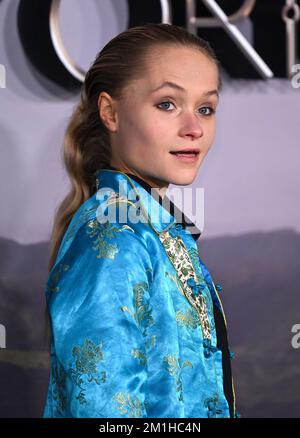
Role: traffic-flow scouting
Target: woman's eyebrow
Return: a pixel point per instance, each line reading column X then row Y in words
column 180, row 88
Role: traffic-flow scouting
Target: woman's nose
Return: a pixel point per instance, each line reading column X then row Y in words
column 191, row 127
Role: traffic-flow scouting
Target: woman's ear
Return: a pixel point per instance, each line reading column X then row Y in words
column 107, row 111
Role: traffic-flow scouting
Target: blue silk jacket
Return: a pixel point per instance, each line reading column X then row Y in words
column 133, row 331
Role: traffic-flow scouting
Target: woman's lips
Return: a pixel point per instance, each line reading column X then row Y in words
column 186, row 157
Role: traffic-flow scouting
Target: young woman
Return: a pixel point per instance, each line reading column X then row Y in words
column 137, row 328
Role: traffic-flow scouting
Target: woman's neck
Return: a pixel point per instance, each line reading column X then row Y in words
column 159, row 187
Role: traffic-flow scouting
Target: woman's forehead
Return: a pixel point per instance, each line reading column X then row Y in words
column 170, row 73
column 180, row 70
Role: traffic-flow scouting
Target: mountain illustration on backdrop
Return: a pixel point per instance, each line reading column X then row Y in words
column 260, row 275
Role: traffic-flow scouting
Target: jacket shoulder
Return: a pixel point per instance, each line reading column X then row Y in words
column 105, row 207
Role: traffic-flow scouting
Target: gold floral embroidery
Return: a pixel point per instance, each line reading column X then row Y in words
column 142, row 313
column 176, row 280
column 134, row 408
column 82, row 219
column 188, row 319
column 55, row 277
column 138, row 354
column 101, row 233
column 87, row 358
column 174, row 368
column 180, row 258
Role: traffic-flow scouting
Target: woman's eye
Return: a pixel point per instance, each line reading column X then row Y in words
column 212, row 110
column 203, row 109
column 164, row 103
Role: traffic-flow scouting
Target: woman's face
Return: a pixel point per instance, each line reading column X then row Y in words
column 152, row 124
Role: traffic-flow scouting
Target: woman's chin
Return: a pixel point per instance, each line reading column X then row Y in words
column 184, row 179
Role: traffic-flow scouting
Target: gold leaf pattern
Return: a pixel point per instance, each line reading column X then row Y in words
column 179, row 257
column 188, row 319
column 101, row 233
column 82, row 219
column 176, row 280
column 138, row 354
column 142, row 314
column 87, row 357
column 134, row 408
column 174, row 367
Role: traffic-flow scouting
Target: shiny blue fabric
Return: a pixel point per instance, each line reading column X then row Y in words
column 125, row 340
